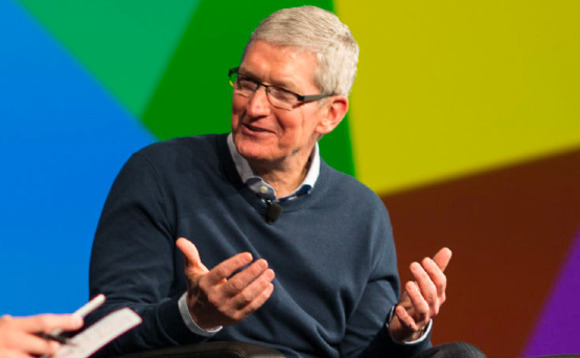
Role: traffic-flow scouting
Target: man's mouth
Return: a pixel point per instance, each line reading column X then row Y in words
column 256, row 129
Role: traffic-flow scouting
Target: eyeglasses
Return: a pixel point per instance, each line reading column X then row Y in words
column 279, row 97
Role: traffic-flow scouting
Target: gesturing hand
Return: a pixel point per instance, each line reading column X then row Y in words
column 422, row 298
column 222, row 296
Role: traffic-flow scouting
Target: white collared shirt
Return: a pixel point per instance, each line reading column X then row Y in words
column 265, row 190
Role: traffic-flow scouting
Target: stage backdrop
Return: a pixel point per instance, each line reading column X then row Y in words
column 465, row 119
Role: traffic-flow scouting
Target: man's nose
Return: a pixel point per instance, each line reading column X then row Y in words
column 259, row 102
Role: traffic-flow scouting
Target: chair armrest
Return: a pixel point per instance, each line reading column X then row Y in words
column 211, row 350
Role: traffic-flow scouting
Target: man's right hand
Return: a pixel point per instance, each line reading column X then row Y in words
column 227, row 293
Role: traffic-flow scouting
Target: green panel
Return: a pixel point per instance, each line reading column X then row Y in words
column 194, row 96
column 336, row 148
column 126, row 44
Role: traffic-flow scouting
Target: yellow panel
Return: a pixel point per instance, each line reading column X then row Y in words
column 446, row 88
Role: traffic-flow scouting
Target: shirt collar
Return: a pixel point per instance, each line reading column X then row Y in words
column 262, row 188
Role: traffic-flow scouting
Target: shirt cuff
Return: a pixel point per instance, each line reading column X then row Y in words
column 423, row 337
column 190, row 323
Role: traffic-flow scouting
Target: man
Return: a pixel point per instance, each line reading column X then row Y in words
column 279, row 249
column 19, row 335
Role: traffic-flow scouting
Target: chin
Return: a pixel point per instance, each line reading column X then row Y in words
column 251, row 150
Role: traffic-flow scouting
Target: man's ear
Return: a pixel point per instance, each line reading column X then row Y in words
column 333, row 113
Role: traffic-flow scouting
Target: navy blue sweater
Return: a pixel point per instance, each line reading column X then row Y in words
column 332, row 252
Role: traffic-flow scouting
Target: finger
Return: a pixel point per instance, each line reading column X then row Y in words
column 405, row 300
column 436, row 275
column 254, row 289
column 427, row 288
column 6, row 353
column 38, row 346
column 227, row 268
column 420, row 307
column 242, row 279
column 405, row 318
column 48, row 322
column 257, row 302
column 192, row 258
column 442, row 258
column 17, row 340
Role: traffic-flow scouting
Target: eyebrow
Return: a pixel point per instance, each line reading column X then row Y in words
column 288, row 86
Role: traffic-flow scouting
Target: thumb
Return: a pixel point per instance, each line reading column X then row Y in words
column 442, row 258
column 193, row 262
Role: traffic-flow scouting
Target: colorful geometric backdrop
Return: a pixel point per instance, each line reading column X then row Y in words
column 465, row 119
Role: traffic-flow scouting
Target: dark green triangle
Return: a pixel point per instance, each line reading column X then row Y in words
column 125, row 44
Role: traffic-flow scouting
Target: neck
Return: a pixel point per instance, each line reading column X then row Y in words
column 285, row 176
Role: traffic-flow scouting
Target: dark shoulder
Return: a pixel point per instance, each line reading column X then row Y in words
column 348, row 188
column 185, row 155
column 195, row 146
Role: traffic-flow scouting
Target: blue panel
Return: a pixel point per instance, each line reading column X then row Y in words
column 63, row 138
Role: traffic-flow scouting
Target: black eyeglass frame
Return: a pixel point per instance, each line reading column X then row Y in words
column 299, row 97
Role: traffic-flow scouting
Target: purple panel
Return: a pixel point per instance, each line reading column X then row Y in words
column 558, row 329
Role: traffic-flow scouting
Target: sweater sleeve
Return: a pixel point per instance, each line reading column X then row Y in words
column 367, row 332
column 133, row 261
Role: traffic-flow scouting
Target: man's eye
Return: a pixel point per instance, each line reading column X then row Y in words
column 246, row 84
column 282, row 94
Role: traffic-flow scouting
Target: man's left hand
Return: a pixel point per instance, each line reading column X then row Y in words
column 422, row 298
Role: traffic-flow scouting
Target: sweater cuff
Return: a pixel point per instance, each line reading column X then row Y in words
column 189, row 321
column 172, row 325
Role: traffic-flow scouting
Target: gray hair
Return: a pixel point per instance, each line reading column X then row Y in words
column 320, row 32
